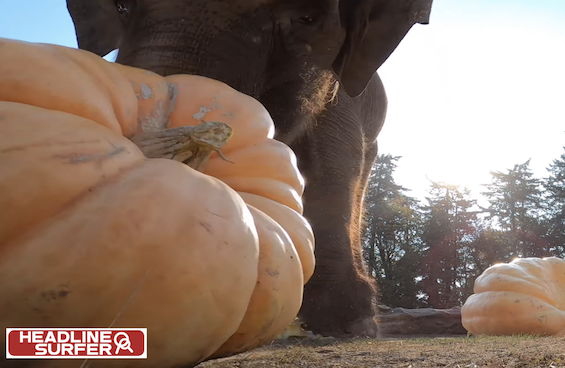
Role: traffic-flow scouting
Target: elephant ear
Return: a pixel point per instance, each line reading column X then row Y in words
column 97, row 25
column 374, row 28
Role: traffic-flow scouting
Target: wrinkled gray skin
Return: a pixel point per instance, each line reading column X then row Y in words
column 288, row 54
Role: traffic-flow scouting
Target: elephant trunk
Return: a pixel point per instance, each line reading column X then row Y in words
column 182, row 46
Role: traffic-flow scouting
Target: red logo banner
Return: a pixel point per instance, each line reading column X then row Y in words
column 76, row 343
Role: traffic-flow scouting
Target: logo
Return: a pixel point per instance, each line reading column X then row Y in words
column 76, row 343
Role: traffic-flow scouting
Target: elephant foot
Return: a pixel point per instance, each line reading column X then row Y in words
column 342, row 309
column 365, row 327
column 340, row 327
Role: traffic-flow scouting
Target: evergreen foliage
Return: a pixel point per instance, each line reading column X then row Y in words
column 429, row 254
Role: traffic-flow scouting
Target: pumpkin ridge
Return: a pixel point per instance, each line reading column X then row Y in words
column 32, row 227
column 48, row 159
column 173, row 302
column 67, row 80
column 100, row 77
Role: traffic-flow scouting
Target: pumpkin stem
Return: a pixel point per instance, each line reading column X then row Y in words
column 191, row 145
column 223, row 157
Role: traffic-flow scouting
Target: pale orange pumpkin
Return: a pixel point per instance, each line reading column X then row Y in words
column 105, row 237
column 525, row 296
column 133, row 241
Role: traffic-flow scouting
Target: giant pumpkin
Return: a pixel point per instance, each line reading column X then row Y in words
column 525, row 296
column 95, row 233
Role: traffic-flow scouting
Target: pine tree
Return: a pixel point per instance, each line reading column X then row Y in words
column 554, row 186
column 487, row 247
column 447, row 234
column 391, row 241
column 515, row 205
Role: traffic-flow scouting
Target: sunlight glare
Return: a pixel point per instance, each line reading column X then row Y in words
column 489, row 95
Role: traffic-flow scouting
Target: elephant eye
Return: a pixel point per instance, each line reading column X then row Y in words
column 307, row 19
column 123, row 9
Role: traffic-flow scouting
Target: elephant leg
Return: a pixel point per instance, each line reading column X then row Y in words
column 335, row 160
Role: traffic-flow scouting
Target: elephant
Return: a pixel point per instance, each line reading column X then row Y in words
column 313, row 65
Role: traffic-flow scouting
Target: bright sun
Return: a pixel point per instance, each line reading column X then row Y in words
column 465, row 173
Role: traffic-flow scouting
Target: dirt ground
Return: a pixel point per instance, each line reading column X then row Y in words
column 448, row 352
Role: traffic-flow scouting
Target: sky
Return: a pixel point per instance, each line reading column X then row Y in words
column 480, row 88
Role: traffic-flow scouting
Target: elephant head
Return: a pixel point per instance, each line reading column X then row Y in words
column 291, row 55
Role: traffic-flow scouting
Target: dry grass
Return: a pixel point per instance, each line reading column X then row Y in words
column 448, row 352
